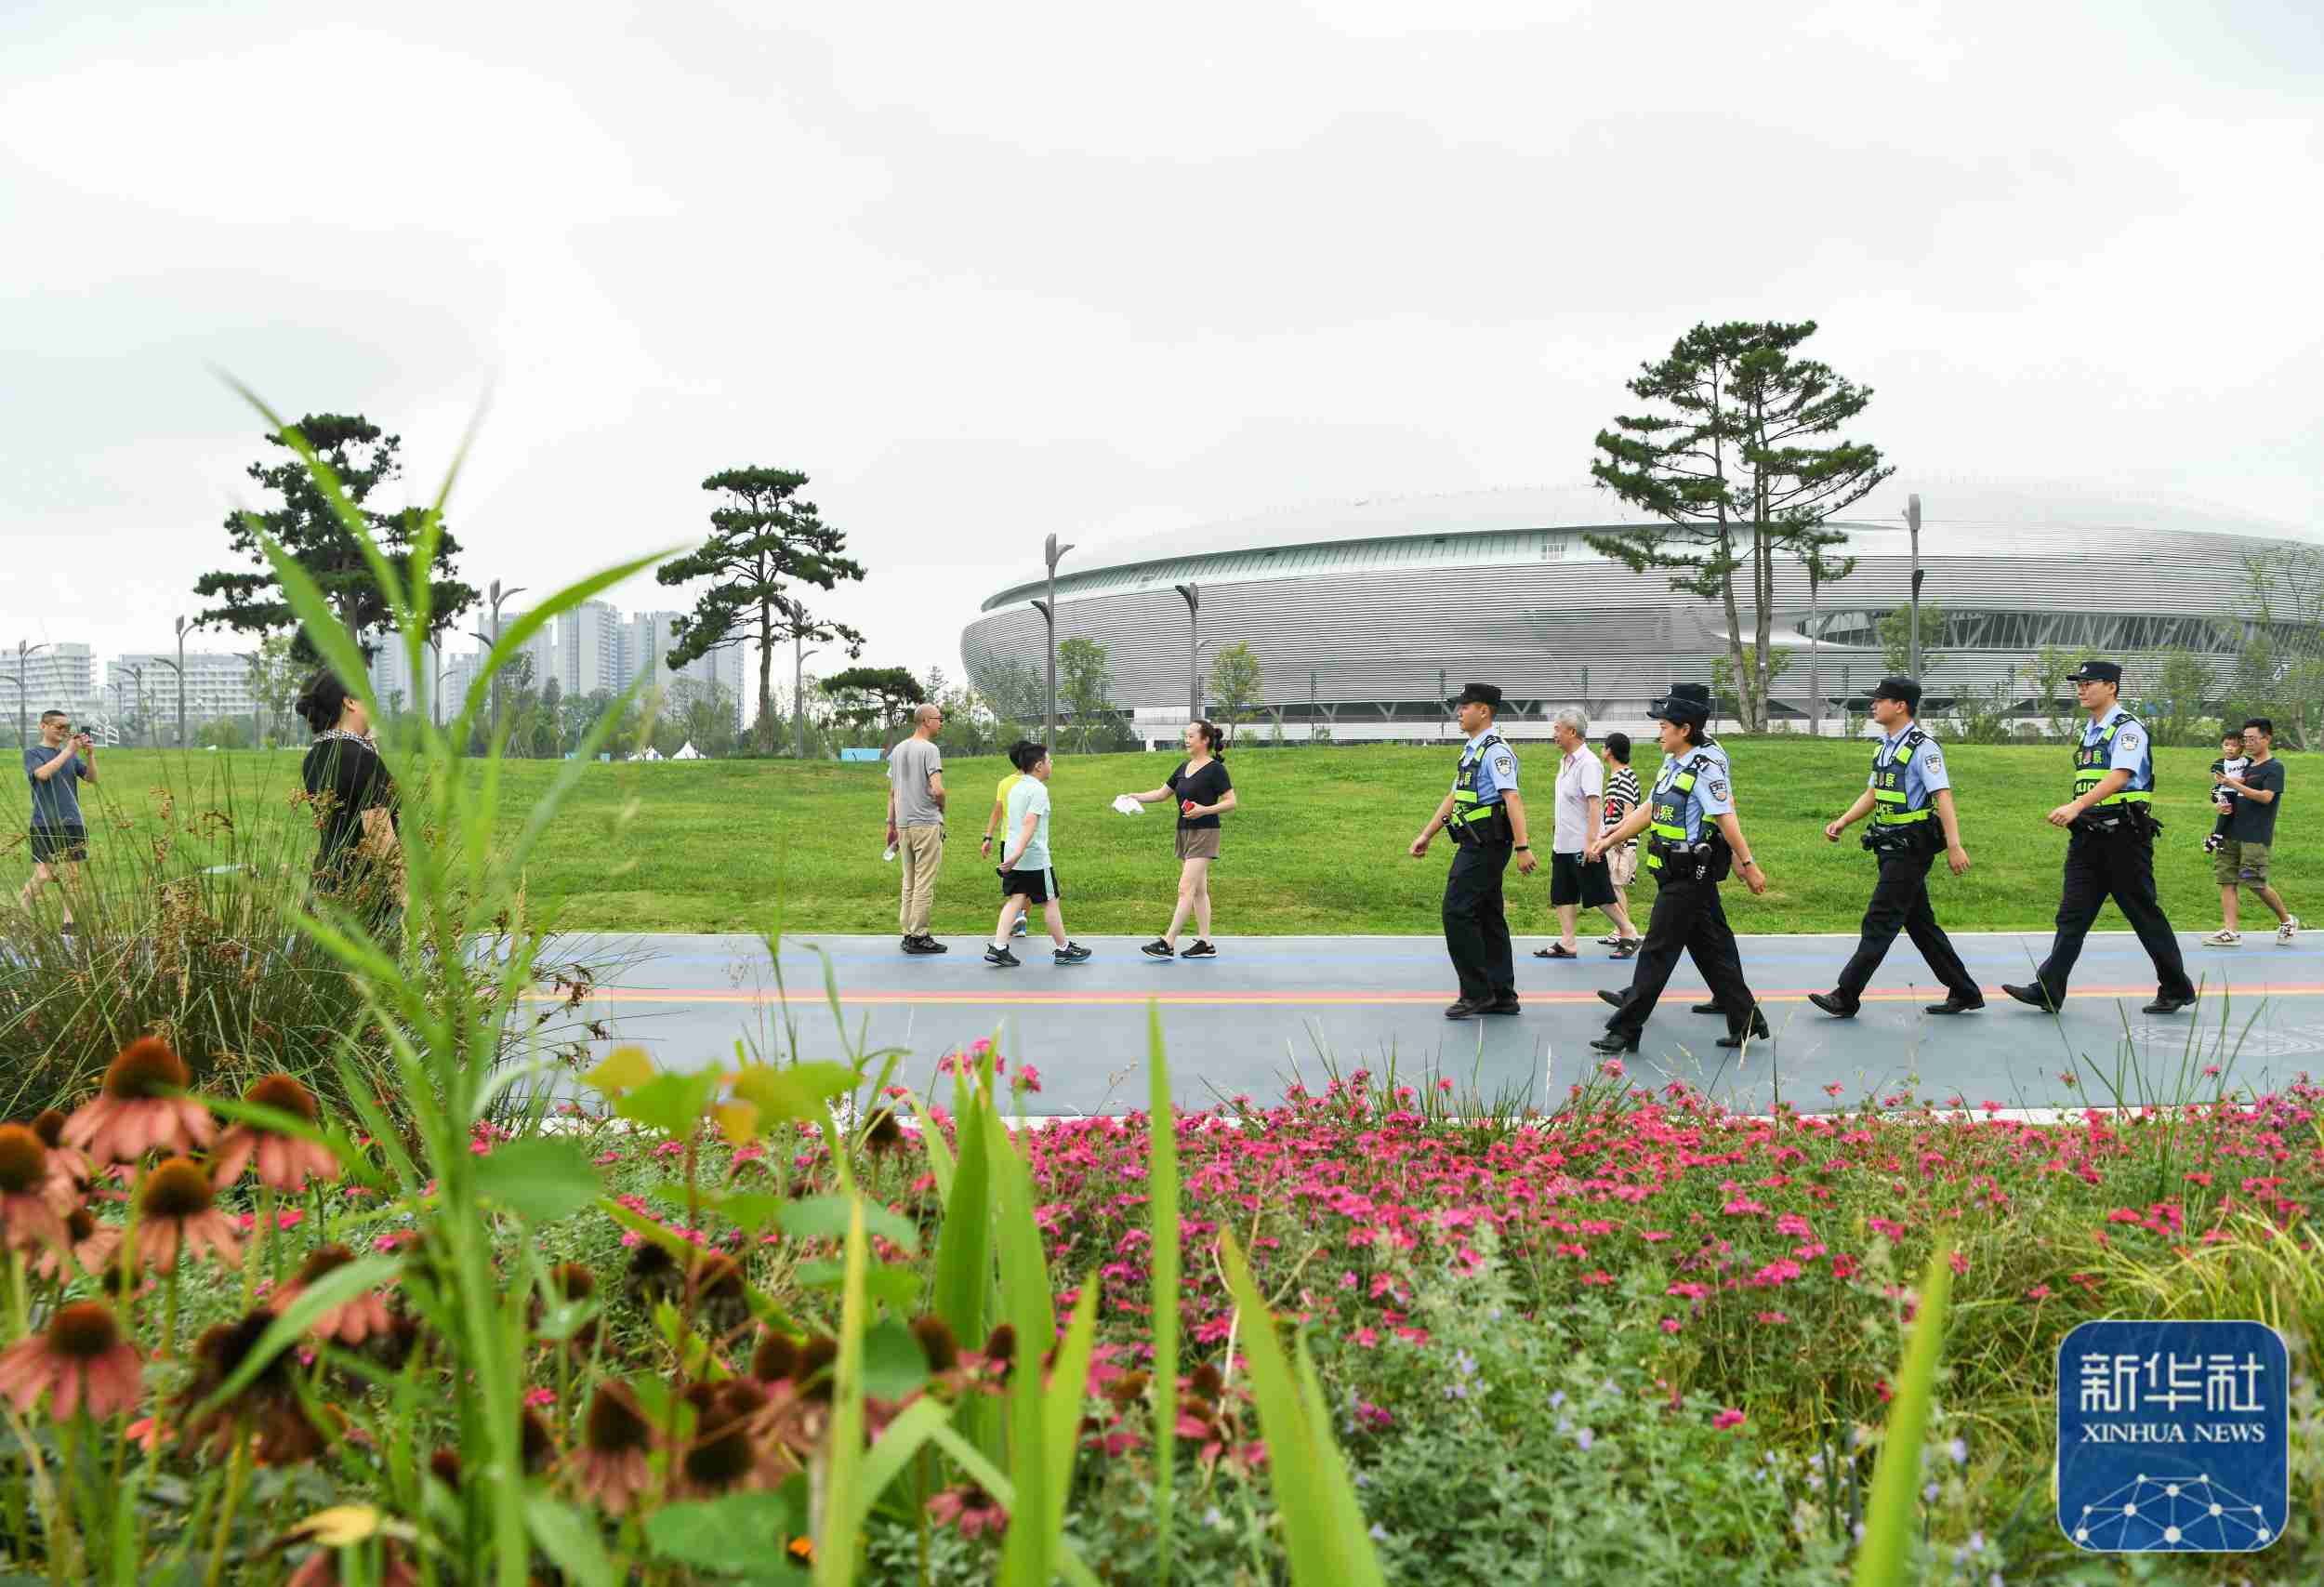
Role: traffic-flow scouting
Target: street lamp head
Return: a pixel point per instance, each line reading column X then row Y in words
column 1912, row 512
column 1190, row 593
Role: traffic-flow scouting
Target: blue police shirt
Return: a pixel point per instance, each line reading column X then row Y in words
column 1713, row 795
column 1499, row 771
column 2130, row 751
column 1924, row 773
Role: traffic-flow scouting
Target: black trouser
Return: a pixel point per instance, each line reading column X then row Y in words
column 1476, row 923
column 2121, row 866
column 1900, row 902
column 1686, row 919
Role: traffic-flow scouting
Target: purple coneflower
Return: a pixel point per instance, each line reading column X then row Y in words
column 286, row 1162
column 177, row 1214
column 31, row 1205
column 80, row 1359
column 135, row 1110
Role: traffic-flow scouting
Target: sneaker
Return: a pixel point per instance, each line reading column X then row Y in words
column 2223, row 939
column 1158, row 949
column 2285, row 933
column 924, row 944
column 1001, row 956
column 1021, row 929
column 1199, row 950
column 1072, row 953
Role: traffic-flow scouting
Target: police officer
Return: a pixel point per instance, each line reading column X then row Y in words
column 2110, row 850
column 1693, row 837
column 1909, row 798
column 1488, row 822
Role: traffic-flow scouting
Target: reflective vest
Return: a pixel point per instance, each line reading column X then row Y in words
column 1666, row 819
column 1890, row 807
column 1473, row 818
column 2092, row 765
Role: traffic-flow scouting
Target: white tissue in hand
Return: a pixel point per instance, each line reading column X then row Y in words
column 1129, row 806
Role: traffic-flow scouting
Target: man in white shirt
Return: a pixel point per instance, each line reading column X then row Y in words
column 1575, row 880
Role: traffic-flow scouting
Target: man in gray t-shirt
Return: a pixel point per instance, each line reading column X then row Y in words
column 54, row 767
column 916, row 824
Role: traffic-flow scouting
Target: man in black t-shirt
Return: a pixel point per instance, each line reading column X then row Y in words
column 2241, row 859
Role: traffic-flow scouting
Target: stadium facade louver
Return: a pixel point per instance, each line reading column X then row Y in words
column 1366, row 615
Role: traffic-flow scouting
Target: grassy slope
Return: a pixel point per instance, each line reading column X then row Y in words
column 1317, row 846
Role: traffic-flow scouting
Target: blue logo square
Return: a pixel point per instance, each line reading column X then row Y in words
column 2172, row 1437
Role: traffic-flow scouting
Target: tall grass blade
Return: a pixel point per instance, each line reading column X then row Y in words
column 1889, row 1521
column 1163, row 1253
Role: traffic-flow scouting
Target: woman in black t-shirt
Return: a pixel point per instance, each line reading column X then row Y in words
column 356, row 859
column 1203, row 794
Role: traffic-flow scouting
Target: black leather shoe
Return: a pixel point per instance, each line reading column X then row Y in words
column 1505, row 1005
column 2032, row 997
column 1954, row 1006
column 2167, row 1005
column 1462, row 1009
column 1612, row 999
column 1830, row 1002
column 1610, row 1042
column 1759, row 1032
column 1708, row 1009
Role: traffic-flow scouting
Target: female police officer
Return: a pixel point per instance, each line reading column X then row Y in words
column 1488, row 821
column 1692, row 834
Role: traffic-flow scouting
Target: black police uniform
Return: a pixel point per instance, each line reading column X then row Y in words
column 2110, row 854
column 1688, row 856
column 1905, row 838
column 1476, row 918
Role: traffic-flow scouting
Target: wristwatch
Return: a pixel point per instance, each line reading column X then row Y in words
column 1523, row 849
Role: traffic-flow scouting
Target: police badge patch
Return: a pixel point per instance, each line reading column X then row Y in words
column 1719, row 790
column 1504, row 764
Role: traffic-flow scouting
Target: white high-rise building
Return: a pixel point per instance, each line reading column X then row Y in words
column 541, row 648
column 398, row 690
column 648, row 639
column 55, row 678
column 590, row 649
column 217, row 684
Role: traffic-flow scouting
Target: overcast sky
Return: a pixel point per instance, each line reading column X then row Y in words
column 990, row 272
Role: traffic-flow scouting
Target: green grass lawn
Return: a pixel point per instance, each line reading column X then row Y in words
column 1318, row 845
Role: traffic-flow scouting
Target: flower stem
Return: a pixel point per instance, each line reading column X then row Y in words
column 235, row 1471
column 169, row 1313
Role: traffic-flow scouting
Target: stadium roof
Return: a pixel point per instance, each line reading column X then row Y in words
column 1979, row 515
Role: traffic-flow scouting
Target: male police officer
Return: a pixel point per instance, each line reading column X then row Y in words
column 1487, row 823
column 1693, row 836
column 1907, row 798
column 2112, row 847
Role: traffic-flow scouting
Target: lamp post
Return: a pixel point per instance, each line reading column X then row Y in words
column 798, row 689
column 1216, row 639
column 1192, row 595
column 495, row 596
column 256, row 659
column 24, row 648
column 1814, row 658
column 183, row 623
column 1912, row 521
column 179, row 667
column 1053, row 553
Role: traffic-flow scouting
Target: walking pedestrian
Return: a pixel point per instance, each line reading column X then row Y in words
column 1623, row 796
column 2110, row 849
column 358, row 853
column 1028, row 872
column 1486, row 818
column 1909, row 798
column 2231, row 762
column 2257, row 789
column 1577, row 882
column 915, row 825
column 1203, row 794
column 56, row 767
column 1692, row 839
column 1001, row 815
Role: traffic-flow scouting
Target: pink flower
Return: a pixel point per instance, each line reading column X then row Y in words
column 1726, row 1419
column 2038, row 1292
column 1671, row 1325
column 1611, row 1069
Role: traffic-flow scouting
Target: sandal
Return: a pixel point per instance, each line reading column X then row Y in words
column 1609, row 942
column 1554, row 951
column 1628, row 947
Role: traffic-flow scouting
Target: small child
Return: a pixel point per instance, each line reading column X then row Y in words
column 1028, row 874
column 2231, row 763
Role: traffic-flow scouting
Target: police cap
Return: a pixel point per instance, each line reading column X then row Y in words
column 1899, row 687
column 2096, row 672
column 1685, row 703
column 1480, row 694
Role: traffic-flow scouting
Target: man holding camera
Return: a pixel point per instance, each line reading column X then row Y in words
column 54, row 767
column 1909, row 799
column 2110, row 852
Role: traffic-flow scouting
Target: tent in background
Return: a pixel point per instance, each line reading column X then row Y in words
column 690, row 753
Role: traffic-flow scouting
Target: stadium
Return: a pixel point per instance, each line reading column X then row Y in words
column 1366, row 616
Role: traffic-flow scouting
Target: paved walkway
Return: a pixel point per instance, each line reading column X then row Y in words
column 1271, row 1009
